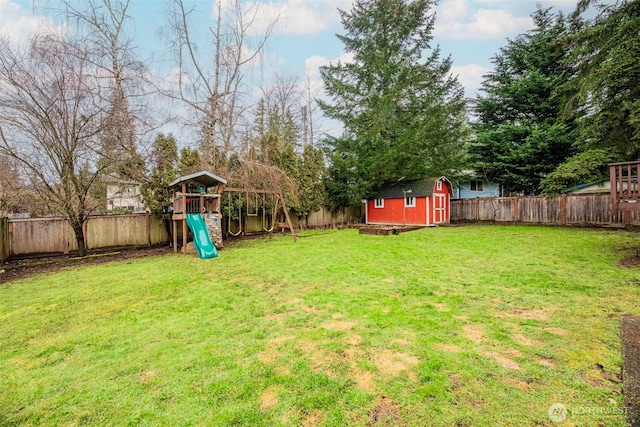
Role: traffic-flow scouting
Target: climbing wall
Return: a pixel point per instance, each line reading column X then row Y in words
column 214, row 227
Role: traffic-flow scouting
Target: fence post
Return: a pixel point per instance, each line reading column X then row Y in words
column 515, row 209
column 563, row 203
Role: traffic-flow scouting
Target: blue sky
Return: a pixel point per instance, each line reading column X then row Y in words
column 471, row 31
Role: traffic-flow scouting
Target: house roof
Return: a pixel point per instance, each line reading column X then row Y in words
column 601, row 185
column 203, row 178
column 418, row 187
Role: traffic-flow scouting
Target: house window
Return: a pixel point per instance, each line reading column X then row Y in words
column 439, row 185
column 409, row 202
column 378, row 203
column 476, row 186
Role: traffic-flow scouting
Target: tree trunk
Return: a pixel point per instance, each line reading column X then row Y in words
column 79, row 232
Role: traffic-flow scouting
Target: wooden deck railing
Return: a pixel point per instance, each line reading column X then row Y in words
column 624, row 185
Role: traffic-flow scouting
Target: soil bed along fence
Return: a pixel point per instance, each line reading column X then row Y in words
column 592, row 210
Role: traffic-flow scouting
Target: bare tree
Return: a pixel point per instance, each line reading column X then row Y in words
column 103, row 25
column 210, row 83
column 311, row 127
column 9, row 183
column 51, row 117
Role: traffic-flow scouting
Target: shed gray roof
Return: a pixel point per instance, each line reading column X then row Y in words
column 418, row 187
column 203, row 178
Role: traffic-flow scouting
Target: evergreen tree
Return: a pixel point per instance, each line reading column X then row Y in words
column 519, row 136
column 403, row 113
column 606, row 84
column 189, row 161
column 156, row 192
column 604, row 91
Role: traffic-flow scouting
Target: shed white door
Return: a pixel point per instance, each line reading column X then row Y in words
column 439, row 208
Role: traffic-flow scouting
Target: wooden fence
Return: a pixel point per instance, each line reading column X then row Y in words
column 579, row 209
column 20, row 238
column 54, row 235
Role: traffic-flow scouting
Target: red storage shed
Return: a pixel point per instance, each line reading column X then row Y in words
column 417, row 202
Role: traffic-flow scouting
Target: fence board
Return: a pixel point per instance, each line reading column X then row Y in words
column 539, row 210
column 500, row 209
column 40, row 236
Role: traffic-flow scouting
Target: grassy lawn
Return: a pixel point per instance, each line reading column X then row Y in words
column 465, row 326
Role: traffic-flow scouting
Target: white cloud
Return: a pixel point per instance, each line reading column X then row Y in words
column 457, row 19
column 470, row 76
column 292, row 16
column 18, row 23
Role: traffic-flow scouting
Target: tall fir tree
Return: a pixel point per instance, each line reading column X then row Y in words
column 604, row 92
column 156, row 192
column 520, row 137
column 402, row 111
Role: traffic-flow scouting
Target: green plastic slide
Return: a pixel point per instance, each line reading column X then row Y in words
column 201, row 239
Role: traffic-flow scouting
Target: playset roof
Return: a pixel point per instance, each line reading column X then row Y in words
column 204, row 178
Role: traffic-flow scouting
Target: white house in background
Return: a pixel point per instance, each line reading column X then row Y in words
column 476, row 186
column 594, row 187
column 123, row 194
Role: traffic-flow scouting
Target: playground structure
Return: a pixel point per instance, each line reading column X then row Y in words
column 625, row 191
column 197, row 205
column 256, row 201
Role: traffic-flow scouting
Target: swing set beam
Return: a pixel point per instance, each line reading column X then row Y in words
column 276, row 193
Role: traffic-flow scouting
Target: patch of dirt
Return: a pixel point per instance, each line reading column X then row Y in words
column 269, row 398
column 536, row 313
column 523, row 340
column 385, row 413
column 596, row 376
column 19, row 269
column 354, row 340
column 337, row 316
column 503, row 361
column 364, row 379
column 393, row 364
column 338, row 326
column 556, row 331
column 549, row 363
column 440, row 306
column 455, row 382
column 474, row 333
column 515, row 383
column 314, row 419
column 449, row 348
column 146, row 376
column 271, row 354
column 320, row 361
column 632, row 261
